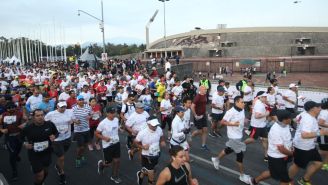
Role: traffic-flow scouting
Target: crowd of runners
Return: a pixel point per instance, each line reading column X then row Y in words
column 45, row 107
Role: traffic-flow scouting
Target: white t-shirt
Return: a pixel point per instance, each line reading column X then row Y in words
column 130, row 109
column 34, row 101
column 166, row 104
column 308, row 123
column 278, row 136
column 177, row 130
column 324, row 116
column 218, row 101
column 291, row 95
column 177, row 91
column 109, row 128
column 248, row 97
column 86, row 96
column 137, row 121
column 146, row 99
column 186, row 118
column 62, row 121
column 271, row 99
column 152, row 138
column 260, row 108
column 232, row 93
column 232, row 115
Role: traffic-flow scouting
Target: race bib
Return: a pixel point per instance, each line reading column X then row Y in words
column 95, row 116
column 40, row 146
column 154, row 149
column 62, row 128
column 114, row 139
column 9, row 119
column 104, row 98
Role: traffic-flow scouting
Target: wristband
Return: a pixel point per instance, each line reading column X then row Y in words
column 318, row 133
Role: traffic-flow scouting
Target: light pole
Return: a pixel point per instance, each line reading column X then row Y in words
column 164, row 27
column 147, row 28
column 101, row 25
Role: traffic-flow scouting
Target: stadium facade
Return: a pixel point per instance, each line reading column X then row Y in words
column 296, row 49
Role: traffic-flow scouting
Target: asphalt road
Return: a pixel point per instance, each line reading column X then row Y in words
column 202, row 168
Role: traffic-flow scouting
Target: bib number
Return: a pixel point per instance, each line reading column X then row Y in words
column 154, row 150
column 62, row 128
column 114, row 139
column 9, row 119
column 40, row 146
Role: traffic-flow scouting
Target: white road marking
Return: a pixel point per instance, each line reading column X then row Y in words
column 221, row 167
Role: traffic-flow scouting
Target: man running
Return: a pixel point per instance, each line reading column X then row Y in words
column 107, row 131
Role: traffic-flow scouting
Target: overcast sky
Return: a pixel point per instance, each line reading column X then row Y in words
column 56, row 21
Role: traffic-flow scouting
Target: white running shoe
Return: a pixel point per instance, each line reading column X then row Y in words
column 245, row 179
column 216, row 162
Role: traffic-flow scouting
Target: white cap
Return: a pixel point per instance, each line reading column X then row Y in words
column 292, row 85
column 263, row 95
column 62, row 104
column 153, row 122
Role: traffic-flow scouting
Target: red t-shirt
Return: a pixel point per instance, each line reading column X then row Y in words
column 12, row 121
column 200, row 102
column 101, row 89
column 71, row 102
column 95, row 116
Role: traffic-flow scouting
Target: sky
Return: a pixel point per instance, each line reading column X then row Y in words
column 56, row 21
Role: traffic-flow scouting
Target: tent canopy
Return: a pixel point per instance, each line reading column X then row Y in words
column 7, row 59
column 87, row 56
column 14, row 60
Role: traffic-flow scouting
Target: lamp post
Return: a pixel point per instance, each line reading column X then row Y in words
column 101, row 25
column 147, row 28
column 164, row 27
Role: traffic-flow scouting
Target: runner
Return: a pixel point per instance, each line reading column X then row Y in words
column 62, row 119
column 323, row 140
column 135, row 123
column 180, row 131
column 93, row 123
column 258, row 123
column 166, row 111
column 280, row 150
column 198, row 109
column 82, row 113
column 107, row 131
column 39, row 135
column 217, row 112
column 305, row 151
column 11, row 124
column 149, row 141
column 178, row 172
column 234, row 120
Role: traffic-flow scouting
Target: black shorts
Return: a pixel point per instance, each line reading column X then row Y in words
column 40, row 162
column 278, row 169
column 273, row 111
column 82, row 138
column 258, row 132
column 112, row 152
column 303, row 157
column 149, row 162
column 217, row 117
column 201, row 123
column 323, row 143
column 61, row 147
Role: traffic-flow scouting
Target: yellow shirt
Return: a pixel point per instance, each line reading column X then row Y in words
column 160, row 91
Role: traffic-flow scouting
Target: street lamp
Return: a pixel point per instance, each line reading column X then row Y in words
column 164, row 27
column 147, row 28
column 101, row 24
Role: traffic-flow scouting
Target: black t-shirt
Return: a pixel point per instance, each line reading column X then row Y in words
column 38, row 136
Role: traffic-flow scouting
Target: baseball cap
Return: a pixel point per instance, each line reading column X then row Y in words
column 292, row 85
column 220, row 89
column 310, row 105
column 261, row 94
column 153, row 122
column 111, row 109
column 80, row 97
column 139, row 105
column 62, row 104
column 180, row 109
